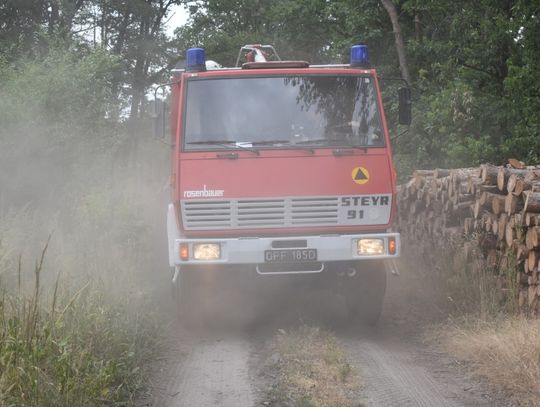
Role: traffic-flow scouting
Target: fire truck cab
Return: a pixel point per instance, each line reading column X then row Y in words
column 282, row 167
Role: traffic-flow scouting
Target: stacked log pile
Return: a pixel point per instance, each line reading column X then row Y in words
column 489, row 213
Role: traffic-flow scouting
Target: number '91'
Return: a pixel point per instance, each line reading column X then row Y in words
column 352, row 214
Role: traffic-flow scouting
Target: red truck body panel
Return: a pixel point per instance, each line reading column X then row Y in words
column 280, row 172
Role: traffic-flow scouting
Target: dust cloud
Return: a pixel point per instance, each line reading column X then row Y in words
column 101, row 197
column 239, row 300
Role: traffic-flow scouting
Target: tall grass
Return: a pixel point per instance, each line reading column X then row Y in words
column 74, row 347
column 506, row 351
column 470, row 286
column 484, row 329
column 79, row 327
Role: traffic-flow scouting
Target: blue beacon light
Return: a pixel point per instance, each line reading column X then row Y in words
column 360, row 56
column 195, row 59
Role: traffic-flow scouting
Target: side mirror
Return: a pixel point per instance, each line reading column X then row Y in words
column 158, row 117
column 405, row 116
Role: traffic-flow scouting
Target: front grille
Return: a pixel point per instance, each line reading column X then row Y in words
column 259, row 213
column 322, row 211
column 207, row 214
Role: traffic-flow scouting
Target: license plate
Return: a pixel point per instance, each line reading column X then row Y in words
column 290, row 255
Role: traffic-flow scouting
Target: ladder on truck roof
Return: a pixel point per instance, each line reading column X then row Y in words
column 259, row 53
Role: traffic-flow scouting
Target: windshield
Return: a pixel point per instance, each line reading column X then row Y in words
column 281, row 111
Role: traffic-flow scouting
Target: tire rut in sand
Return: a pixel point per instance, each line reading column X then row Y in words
column 211, row 372
column 391, row 378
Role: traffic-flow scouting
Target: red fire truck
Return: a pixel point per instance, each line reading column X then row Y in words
column 282, row 167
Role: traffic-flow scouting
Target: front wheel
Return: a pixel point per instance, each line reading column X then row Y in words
column 364, row 293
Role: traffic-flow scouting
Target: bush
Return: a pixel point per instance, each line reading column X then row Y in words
column 78, row 347
column 61, row 93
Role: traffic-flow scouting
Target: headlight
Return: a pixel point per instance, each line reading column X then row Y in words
column 206, row 251
column 370, row 246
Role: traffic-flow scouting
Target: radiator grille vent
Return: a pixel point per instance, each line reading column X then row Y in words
column 260, row 213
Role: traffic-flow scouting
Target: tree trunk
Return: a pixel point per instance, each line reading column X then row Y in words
column 150, row 26
column 400, row 44
column 53, row 17
column 118, row 48
column 418, row 28
column 137, row 81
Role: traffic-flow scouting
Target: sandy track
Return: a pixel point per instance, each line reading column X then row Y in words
column 396, row 373
column 224, row 366
column 215, row 370
column 206, row 370
column 390, row 379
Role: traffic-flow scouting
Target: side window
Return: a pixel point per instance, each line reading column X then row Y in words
column 193, row 112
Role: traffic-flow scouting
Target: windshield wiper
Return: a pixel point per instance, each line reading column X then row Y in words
column 284, row 143
column 280, row 143
column 314, row 141
column 226, row 144
column 332, row 143
column 270, row 142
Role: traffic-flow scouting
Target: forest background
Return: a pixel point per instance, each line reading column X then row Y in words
column 85, row 67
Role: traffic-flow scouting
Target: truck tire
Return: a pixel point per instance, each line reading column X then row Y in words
column 364, row 293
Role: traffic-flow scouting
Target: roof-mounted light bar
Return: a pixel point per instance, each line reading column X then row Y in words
column 196, row 60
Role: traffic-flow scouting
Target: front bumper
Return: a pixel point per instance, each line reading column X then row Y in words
column 250, row 250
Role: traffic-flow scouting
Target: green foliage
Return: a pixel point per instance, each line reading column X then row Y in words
column 458, row 128
column 523, row 84
column 64, row 90
column 83, row 349
column 475, row 83
column 132, row 30
column 314, row 30
column 52, row 110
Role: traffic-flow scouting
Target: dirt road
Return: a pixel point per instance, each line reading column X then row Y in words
column 397, row 373
column 206, row 370
column 226, row 366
